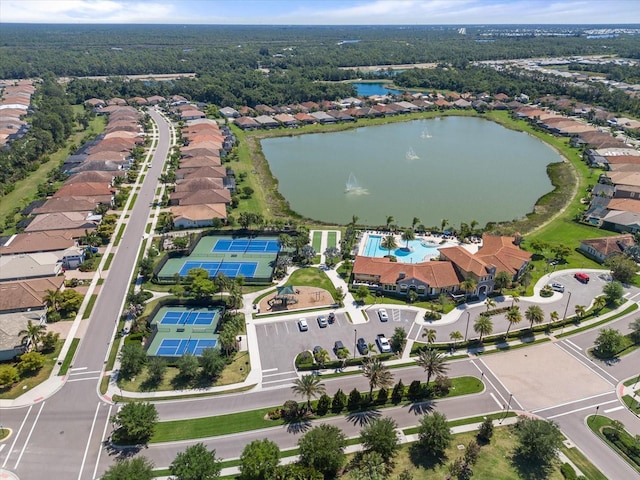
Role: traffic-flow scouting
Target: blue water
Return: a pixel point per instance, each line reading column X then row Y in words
column 417, row 251
column 369, row 89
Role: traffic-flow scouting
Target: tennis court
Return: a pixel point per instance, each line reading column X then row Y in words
column 229, row 269
column 187, row 318
column 175, row 347
column 246, row 245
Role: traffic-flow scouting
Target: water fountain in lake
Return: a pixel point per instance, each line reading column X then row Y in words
column 353, row 187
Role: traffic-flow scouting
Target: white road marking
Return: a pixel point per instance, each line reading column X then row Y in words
column 270, row 370
column 570, row 342
column 590, row 365
column 614, row 409
column 500, row 405
column 78, row 368
column 83, row 379
column 590, row 407
column 17, row 435
column 26, row 442
column 281, row 373
column 86, row 450
column 2, row 447
column 513, row 397
column 573, row 401
column 104, row 434
column 85, row 373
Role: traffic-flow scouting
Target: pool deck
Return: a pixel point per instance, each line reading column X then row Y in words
column 430, row 238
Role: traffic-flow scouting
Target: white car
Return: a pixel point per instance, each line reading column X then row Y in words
column 382, row 313
column 322, row 321
column 303, row 325
column 383, row 344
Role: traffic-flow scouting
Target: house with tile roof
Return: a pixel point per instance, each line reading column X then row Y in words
column 603, row 248
column 426, row 279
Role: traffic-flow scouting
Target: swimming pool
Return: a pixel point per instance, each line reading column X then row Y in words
column 418, row 252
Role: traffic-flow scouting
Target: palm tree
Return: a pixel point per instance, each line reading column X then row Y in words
column 408, row 235
column 515, row 298
column 599, row 303
column 483, row 325
column 222, row 282
column 389, row 242
column 489, row 303
column 371, row 347
column 321, row 357
column 443, row 224
column 354, row 220
column 308, row 386
column 580, row 311
column 468, row 285
column 414, row 222
column 473, row 224
column 285, row 240
column 513, row 317
column 33, row 333
column 455, row 336
column 432, row 362
column 534, row 314
column 554, row 316
column 430, row 334
column 377, row 373
column 502, row 280
column 390, row 220
column 52, row 299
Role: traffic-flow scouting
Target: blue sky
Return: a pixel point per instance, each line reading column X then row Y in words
column 321, row 12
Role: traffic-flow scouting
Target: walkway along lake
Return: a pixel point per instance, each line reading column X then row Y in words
column 458, row 168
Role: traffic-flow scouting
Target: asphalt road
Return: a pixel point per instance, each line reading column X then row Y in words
column 61, row 437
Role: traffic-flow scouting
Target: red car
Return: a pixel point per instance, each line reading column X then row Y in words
column 582, row 277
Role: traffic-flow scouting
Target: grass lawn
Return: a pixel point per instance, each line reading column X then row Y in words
column 27, row 382
column 580, row 461
column 311, row 277
column 632, row 403
column 317, row 241
column 70, row 353
column 597, row 423
column 332, row 239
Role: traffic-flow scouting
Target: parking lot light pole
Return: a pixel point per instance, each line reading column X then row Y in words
column 564, row 317
column 466, row 331
column 355, row 334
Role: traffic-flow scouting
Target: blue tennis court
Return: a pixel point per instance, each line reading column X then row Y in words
column 187, row 318
column 229, row 269
column 171, row 347
column 246, row 245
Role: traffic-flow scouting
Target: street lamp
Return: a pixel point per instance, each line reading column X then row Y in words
column 466, row 330
column 355, row 334
column 637, row 380
column 508, row 406
column 565, row 313
column 597, row 408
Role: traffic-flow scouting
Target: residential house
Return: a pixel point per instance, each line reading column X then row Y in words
column 246, row 123
column 44, row 241
column 229, row 112
column 197, row 216
column 266, row 121
column 286, row 120
column 323, row 117
column 603, row 248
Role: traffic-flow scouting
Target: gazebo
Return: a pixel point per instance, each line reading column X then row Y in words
column 284, row 296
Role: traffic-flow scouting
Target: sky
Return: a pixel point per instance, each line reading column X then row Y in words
column 322, row 12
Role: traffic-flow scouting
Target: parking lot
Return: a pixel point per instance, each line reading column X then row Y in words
column 281, row 340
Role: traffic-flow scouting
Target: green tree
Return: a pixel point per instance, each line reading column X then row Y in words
column 322, row 448
column 308, row 386
column 188, row 366
column 485, row 431
column 434, row 435
column 339, row 401
column 608, row 343
column 432, row 362
column 455, row 337
column 407, row 236
column 8, row 375
column 468, row 285
column 613, row 292
column 136, row 468
column 377, row 373
column 502, row 280
column 599, row 303
column 196, row 463
column 513, row 317
column 31, row 362
column 580, row 310
column 49, row 341
column 156, row 368
column 534, row 314
column 52, row 299
column 635, row 330
column 332, row 255
column 389, row 221
column 132, row 359
column 554, row 316
column 212, row 363
column 259, row 460
column 368, row 466
column 321, row 357
column 146, row 268
column 361, row 293
column 561, row 252
column 32, row 334
column 623, row 268
column 429, row 334
column 398, row 339
column 389, row 242
column 380, row 436
column 489, row 303
column 537, row 442
column 483, row 325
column 134, row 423
column 515, row 298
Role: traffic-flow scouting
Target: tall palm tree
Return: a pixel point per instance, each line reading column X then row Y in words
column 285, row 240
column 599, row 303
column 489, row 303
column 222, row 283
column 502, row 280
column 483, row 325
column 308, row 386
column 377, row 373
column 455, row 337
column 468, row 285
column 515, row 298
column 390, row 220
column 408, row 235
column 52, row 299
column 432, row 362
column 389, row 242
column 513, row 317
column 33, row 333
column 554, row 316
column 580, row 311
column 534, row 314
column 430, row 334
column 414, row 222
column 443, row 224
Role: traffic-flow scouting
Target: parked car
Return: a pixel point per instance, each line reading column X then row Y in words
column 557, row 287
column 337, row 346
column 332, row 317
column 382, row 313
column 322, row 321
column 383, row 344
column 582, row 277
column 363, row 348
column 303, row 325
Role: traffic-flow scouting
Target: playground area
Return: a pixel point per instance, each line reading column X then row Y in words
column 295, row 298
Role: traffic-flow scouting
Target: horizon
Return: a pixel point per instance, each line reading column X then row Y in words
column 321, row 12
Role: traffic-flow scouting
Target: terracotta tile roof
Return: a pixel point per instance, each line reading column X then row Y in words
column 609, row 245
column 60, row 221
column 72, row 204
column 496, row 251
column 46, row 241
column 465, row 260
column 27, row 294
column 435, row 274
column 205, row 211
column 201, row 197
column 84, row 189
column 194, row 184
column 199, row 161
column 202, row 172
column 624, row 204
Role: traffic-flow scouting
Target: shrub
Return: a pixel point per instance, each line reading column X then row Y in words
column 275, row 414
column 398, row 392
column 8, row 375
column 290, row 410
column 485, row 431
column 442, row 385
column 568, row 472
column 355, row 399
column 134, row 338
column 339, row 401
column 324, row 402
column 304, row 360
column 431, row 315
column 415, row 390
column 383, row 395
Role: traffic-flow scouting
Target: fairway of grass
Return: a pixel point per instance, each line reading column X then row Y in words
column 317, row 241
column 332, row 239
column 311, row 277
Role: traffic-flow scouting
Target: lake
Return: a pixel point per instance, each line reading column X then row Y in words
column 377, row 88
column 458, row 168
